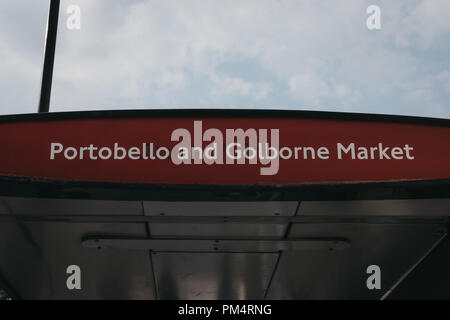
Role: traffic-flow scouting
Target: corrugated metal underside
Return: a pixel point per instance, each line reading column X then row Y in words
column 39, row 238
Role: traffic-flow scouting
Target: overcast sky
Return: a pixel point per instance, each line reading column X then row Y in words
column 282, row 54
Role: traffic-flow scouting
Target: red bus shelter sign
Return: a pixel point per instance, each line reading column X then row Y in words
column 223, row 151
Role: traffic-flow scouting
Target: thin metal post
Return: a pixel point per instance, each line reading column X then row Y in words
column 49, row 56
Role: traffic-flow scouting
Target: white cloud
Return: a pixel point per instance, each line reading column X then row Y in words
column 429, row 20
column 225, row 86
column 308, row 88
column 444, row 80
column 296, row 54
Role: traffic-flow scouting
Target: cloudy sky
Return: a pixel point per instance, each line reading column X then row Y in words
column 282, row 54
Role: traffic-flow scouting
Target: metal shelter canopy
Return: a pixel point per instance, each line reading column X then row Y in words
column 303, row 233
column 124, row 253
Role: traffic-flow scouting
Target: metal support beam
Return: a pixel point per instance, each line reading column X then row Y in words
column 413, row 267
column 225, row 219
column 216, row 245
column 49, row 56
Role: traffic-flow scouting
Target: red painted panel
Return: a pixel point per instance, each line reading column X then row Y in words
column 25, row 151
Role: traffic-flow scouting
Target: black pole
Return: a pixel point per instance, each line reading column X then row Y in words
column 49, row 56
